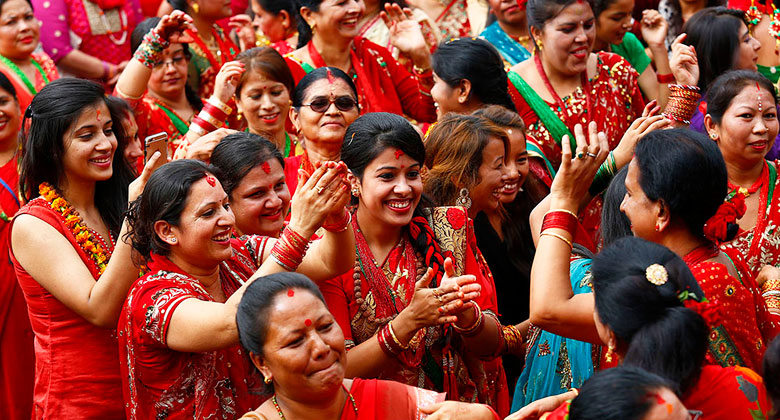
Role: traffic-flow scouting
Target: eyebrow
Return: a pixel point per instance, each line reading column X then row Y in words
column 395, row 167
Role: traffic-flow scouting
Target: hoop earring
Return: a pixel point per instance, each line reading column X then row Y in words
column 463, row 199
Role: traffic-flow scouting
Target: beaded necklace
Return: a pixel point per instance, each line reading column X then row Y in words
column 86, row 240
column 30, row 85
column 733, row 189
column 583, row 81
column 123, row 30
column 349, row 394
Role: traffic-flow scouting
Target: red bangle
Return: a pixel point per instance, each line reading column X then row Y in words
column 215, row 112
column 339, row 226
column 561, row 220
column 665, row 78
column 200, row 122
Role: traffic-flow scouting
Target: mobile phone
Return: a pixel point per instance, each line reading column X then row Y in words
column 154, row 143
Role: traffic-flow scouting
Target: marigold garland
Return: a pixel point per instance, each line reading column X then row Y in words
column 73, row 221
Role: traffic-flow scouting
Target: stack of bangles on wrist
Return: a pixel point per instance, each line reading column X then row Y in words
column 476, row 327
column 388, row 341
column 211, row 117
column 604, row 176
column 560, row 219
column 289, row 249
column 341, row 225
column 682, row 103
column 151, row 48
column 770, row 290
column 513, row 340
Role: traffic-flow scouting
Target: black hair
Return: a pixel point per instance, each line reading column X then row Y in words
column 614, row 223
column 254, row 309
column 238, row 153
column 729, row 85
column 714, row 33
column 538, row 12
column 177, row 5
column 621, row 393
column 599, row 6
column 478, row 61
column 164, row 198
column 137, row 37
column 5, row 83
column 676, row 22
column 268, row 62
column 772, row 375
column 276, row 6
column 49, row 120
column 650, row 322
column 318, row 74
column 304, row 30
column 667, row 157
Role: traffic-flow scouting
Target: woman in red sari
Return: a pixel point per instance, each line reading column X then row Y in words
column 211, row 47
column 178, row 338
column 75, row 226
column 276, row 23
column 327, row 37
column 744, row 142
column 566, row 84
column 155, row 81
column 401, row 333
column 28, row 70
column 298, row 347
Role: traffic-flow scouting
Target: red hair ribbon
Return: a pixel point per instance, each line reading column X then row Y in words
column 716, row 228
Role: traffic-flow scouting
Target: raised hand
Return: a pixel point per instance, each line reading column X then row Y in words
column 322, row 194
column 684, row 62
column 172, row 27
column 654, row 28
column 649, row 121
column 568, row 186
column 405, row 32
column 227, row 80
column 245, row 30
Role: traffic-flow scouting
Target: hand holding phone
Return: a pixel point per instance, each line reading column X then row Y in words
column 156, row 143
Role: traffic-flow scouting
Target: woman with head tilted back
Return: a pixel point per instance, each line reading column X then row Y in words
column 328, row 37
column 177, row 328
column 77, row 187
column 391, row 332
column 650, row 309
column 567, row 84
column 298, row 346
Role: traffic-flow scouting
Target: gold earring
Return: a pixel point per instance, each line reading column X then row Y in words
column 539, row 45
column 267, row 380
column 608, row 356
column 355, row 192
column 196, row 7
column 714, row 136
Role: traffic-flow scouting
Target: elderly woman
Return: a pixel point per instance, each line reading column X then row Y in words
column 298, row 347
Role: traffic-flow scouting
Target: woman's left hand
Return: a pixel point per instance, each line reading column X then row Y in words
column 466, row 284
column 405, row 32
column 654, row 28
column 571, row 184
column 227, row 80
column 650, row 120
column 456, row 410
column 244, row 30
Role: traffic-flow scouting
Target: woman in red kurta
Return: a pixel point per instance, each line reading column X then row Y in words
column 178, row 342
column 77, row 186
column 17, row 355
column 382, row 84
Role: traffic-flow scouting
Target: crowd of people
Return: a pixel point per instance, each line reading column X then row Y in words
column 392, row 210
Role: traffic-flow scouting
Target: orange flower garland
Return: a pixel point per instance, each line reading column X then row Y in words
column 73, row 222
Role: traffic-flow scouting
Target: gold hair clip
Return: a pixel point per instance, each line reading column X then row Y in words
column 656, row 274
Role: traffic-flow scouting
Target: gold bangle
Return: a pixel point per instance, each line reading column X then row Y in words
column 205, row 116
column 563, row 210
column 392, row 335
column 771, row 284
column 568, row 242
column 213, row 100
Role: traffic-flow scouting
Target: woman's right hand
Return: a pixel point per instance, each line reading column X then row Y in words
column 429, row 306
column 684, row 62
column 568, row 189
column 537, row 408
column 650, row 120
column 319, row 195
column 172, row 27
column 137, row 186
column 227, row 80
column 202, row 148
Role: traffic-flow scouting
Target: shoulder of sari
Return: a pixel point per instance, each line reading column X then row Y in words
column 580, row 275
column 614, row 66
column 546, row 115
column 449, row 226
column 535, row 151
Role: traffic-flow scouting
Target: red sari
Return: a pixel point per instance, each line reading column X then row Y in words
column 760, row 246
column 745, row 325
column 380, row 400
column 159, row 382
column 206, row 63
column 77, row 363
column 732, row 393
column 438, row 359
column 17, row 354
column 383, row 84
column 47, row 73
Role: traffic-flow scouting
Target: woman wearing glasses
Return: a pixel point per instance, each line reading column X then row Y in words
column 324, row 105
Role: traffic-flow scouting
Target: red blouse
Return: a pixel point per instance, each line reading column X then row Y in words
column 159, row 382
column 732, row 393
column 77, row 363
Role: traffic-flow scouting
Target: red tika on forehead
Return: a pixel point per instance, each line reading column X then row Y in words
column 211, row 180
column 331, row 77
column 266, row 167
column 398, row 154
column 307, row 322
column 98, row 115
column 291, row 293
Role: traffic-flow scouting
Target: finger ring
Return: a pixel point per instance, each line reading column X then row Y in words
column 437, row 296
column 320, row 189
column 592, row 154
column 580, row 155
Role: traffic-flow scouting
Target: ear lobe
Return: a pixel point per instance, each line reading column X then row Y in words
column 293, row 113
column 663, row 217
column 285, row 17
column 464, row 90
column 165, row 232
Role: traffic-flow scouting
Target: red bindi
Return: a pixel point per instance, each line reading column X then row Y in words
column 659, row 399
column 291, row 293
column 266, row 167
column 211, row 180
column 398, row 154
column 307, row 322
column 98, row 115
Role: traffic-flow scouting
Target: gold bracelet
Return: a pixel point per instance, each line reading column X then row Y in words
column 563, row 210
column 213, row 100
column 392, row 335
column 205, row 116
column 568, row 242
column 771, row 284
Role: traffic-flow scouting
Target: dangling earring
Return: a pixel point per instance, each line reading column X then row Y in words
column 355, row 192
column 463, row 199
column 196, row 8
column 267, row 380
column 657, row 227
column 539, row 45
column 313, row 28
column 608, row 356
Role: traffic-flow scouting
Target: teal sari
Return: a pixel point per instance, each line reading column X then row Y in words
column 512, row 51
column 554, row 364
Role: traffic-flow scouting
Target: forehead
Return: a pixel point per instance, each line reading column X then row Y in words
column 89, row 115
column 288, row 307
column 750, row 94
column 392, row 157
column 621, row 6
column 258, row 175
column 15, row 6
column 575, row 12
column 324, row 87
column 202, row 192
